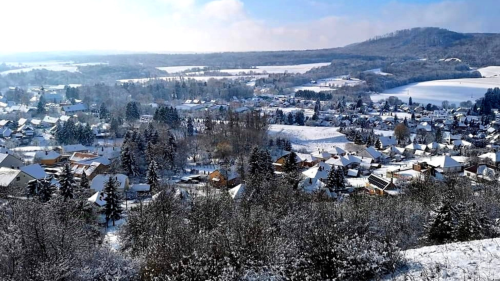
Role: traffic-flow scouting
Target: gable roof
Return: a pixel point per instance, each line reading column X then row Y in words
column 99, row 181
column 7, row 176
column 34, row 170
column 237, row 192
column 47, row 155
column 444, row 162
column 374, row 153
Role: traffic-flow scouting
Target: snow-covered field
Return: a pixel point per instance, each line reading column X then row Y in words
column 454, row 90
column 310, row 138
column 298, row 68
column 198, row 78
column 48, row 65
column 329, row 84
column 490, row 71
column 176, row 69
column 475, row 260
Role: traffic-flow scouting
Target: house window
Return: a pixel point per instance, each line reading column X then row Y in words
column 18, row 178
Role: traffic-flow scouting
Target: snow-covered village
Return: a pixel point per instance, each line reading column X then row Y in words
column 255, row 147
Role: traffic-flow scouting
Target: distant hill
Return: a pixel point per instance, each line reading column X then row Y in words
column 477, row 49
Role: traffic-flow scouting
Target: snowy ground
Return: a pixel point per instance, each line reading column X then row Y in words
column 198, row 78
column 453, row 90
column 476, row 260
column 48, row 65
column 490, row 71
column 310, row 138
column 176, row 69
column 329, row 84
column 378, row 71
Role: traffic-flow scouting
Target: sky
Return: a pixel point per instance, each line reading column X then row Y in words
column 178, row 26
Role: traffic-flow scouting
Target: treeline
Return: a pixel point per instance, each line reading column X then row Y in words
column 311, row 95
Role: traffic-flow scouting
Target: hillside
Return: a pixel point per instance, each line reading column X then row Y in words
column 475, row 260
column 477, row 49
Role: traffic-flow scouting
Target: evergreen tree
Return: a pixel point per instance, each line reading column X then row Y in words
column 40, row 108
column 152, row 176
column 299, row 118
column 331, row 180
column 378, row 144
column 413, row 116
column 359, row 104
column 289, row 119
column 45, row 189
column 254, row 162
column 439, row 135
column 66, row 183
column 441, row 228
column 290, row 164
column 410, row 102
column 103, row 111
column 132, row 112
column 190, row 127
column 84, row 182
column 287, row 146
column 128, row 161
column 112, row 206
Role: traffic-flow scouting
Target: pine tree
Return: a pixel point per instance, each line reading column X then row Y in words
column 132, row 112
column 378, row 144
column 66, row 183
column 152, row 176
column 331, row 180
column 190, row 127
column 128, row 161
column 299, row 118
column 45, row 189
column 439, row 135
column 442, row 225
column 40, row 108
column 103, row 111
column 287, row 146
column 410, row 102
column 112, row 206
column 254, row 162
column 84, row 182
column 290, row 164
column 289, row 119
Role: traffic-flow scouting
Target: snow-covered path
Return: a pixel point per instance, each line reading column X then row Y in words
column 475, row 260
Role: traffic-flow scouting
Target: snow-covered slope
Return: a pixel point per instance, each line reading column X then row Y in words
column 490, row 71
column 310, row 138
column 453, row 90
column 475, row 260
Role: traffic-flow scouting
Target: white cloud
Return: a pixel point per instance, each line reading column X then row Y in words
column 219, row 25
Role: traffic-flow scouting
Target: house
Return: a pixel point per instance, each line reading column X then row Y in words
column 35, row 171
column 321, row 155
column 316, row 173
column 445, row 164
column 372, row 153
column 481, row 172
column 387, row 141
column 140, row 188
column 347, row 161
column 88, row 159
column 10, row 161
column 10, row 178
column 48, row 158
column 302, row 160
column 336, row 151
column 98, row 199
column 224, row 178
column 99, row 182
column 381, row 186
column 237, row 192
column 91, row 170
column 493, row 156
column 70, row 149
column 49, row 121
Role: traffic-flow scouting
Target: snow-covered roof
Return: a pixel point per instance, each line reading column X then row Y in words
column 99, row 181
column 47, row 155
column 74, row 107
column 319, row 171
column 373, row 152
column 7, row 176
column 34, row 170
column 237, row 192
column 140, row 187
column 336, row 151
column 443, row 162
column 74, row 148
column 51, row 120
column 98, row 198
column 494, row 156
